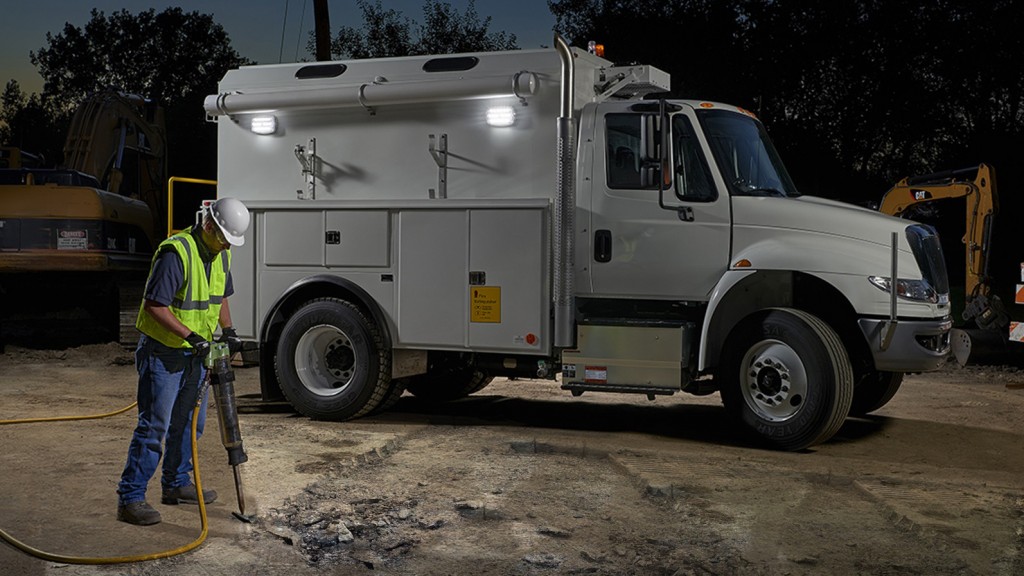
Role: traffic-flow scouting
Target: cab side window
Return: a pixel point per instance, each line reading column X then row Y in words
column 626, row 166
column 623, row 150
column 692, row 177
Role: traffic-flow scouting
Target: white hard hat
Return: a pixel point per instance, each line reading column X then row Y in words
column 232, row 217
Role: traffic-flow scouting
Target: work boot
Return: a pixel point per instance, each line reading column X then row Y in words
column 138, row 513
column 186, row 495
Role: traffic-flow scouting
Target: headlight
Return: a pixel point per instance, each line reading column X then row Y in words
column 918, row 290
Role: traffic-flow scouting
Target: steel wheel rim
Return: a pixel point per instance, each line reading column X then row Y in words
column 325, row 360
column 773, row 381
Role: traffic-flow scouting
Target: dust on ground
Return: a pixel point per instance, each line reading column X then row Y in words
column 522, row 478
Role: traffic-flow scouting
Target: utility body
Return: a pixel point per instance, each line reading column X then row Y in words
column 428, row 223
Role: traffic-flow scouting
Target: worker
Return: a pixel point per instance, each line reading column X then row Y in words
column 186, row 297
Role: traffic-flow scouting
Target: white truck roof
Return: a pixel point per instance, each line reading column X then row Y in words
column 417, row 79
column 372, row 129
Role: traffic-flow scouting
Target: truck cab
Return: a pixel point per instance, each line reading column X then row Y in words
column 702, row 227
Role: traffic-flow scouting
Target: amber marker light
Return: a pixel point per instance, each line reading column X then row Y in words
column 744, row 263
column 747, row 112
column 706, row 105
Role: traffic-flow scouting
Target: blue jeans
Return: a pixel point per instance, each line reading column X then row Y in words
column 169, row 383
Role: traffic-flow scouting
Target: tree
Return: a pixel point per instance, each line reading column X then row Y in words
column 856, row 94
column 12, row 101
column 31, row 123
column 444, row 31
column 172, row 57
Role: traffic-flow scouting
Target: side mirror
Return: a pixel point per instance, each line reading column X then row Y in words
column 650, row 139
column 651, row 146
column 650, row 174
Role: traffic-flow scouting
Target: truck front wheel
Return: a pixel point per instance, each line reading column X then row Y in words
column 786, row 375
column 874, row 390
column 332, row 361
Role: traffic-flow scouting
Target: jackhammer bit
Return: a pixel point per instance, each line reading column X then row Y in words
column 222, row 378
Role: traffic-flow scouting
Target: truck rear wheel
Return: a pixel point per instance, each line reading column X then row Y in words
column 332, row 361
column 448, row 377
column 874, row 390
column 391, row 396
column 787, row 376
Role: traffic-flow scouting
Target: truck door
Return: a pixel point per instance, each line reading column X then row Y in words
column 642, row 247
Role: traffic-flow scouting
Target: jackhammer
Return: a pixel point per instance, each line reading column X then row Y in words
column 222, row 378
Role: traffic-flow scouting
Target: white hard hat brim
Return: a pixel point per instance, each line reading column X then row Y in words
column 231, row 238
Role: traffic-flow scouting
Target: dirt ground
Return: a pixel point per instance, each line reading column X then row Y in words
column 522, row 478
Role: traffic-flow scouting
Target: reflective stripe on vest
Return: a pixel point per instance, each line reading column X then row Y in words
column 197, row 302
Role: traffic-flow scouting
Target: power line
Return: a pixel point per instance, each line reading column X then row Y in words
column 302, row 20
column 284, row 25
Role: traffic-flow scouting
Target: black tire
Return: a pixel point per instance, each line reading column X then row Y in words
column 332, row 361
column 874, row 390
column 448, row 377
column 786, row 375
column 394, row 392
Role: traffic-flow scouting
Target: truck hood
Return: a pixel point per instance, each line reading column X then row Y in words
column 818, row 236
column 842, row 244
column 817, row 215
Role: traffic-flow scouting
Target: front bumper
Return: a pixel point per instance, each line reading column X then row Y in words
column 916, row 346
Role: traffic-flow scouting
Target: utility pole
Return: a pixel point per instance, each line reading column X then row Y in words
column 322, row 30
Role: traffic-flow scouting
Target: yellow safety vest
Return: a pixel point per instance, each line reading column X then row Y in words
column 197, row 303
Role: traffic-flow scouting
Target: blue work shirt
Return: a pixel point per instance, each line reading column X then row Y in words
column 168, row 276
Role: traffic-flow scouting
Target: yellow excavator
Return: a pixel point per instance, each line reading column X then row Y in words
column 71, row 237
column 915, row 195
column 11, row 157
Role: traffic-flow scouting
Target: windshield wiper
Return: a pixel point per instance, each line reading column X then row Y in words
column 767, row 192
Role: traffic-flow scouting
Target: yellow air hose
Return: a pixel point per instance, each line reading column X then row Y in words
column 121, row 559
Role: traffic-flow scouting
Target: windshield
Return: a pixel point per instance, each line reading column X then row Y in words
column 745, row 155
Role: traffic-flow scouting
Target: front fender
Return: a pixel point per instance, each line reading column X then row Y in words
column 843, row 263
column 739, row 293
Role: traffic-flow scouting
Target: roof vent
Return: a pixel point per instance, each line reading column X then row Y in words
column 451, row 64
column 320, row 71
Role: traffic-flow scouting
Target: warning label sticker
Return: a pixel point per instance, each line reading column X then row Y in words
column 72, row 240
column 595, row 374
column 485, row 304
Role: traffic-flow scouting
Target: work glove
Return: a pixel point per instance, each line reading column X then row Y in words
column 230, row 337
column 199, row 344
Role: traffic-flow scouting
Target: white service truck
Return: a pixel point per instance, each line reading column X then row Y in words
column 427, row 223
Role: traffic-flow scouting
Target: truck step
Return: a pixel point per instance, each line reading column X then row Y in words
column 578, row 388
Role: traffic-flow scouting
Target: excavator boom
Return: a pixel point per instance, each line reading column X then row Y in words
column 977, row 186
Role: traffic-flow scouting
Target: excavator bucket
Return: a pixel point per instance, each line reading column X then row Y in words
column 977, row 346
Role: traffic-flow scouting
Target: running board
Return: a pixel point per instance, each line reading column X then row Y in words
column 578, row 388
